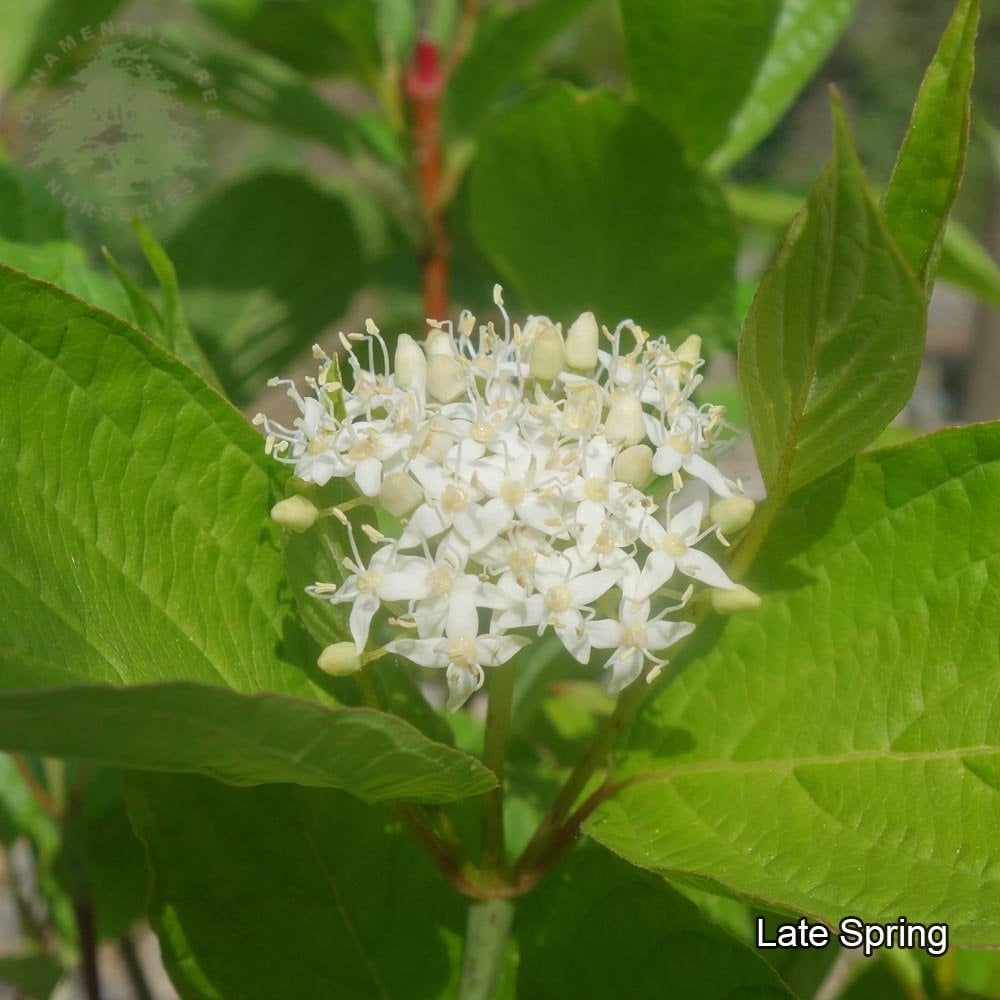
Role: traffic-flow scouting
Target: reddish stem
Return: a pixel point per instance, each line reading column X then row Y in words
column 424, row 88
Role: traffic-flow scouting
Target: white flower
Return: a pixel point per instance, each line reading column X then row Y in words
column 463, row 655
column 519, row 487
column 566, row 586
column 672, row 548
column 634, row 639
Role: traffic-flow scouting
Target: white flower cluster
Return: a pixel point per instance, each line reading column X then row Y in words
column 516, row 462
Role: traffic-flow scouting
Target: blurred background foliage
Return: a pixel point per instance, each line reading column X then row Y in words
column 298, row 165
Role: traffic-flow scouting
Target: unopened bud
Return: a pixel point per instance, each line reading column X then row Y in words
column 339, row 660
column 409, row 363
column 547, row 359
column 295, row 513
column 445, row 378
column 534, row 328
column 732, row 514
column 437, row 441
column 439, row 343
column 740, row 598
column 690, row 351
column 581, row 342
column 624, row 424
column 400, row 494
column 634, row 465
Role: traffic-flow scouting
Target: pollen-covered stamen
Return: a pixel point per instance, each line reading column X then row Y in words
column 634, row 637
column 440, row 581
column 558, row 599
column 462, row 652
column 673, row 544
column 454, row 498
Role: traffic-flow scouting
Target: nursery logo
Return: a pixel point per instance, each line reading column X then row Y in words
column 106, row 127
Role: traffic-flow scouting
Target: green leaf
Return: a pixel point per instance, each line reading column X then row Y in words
column 251, row 85
column 692, row 64
column 299, row 34
column 595, row 921
column 342, row 904
column 964, row 260
column 967, row 263
column 36, row 975
column 100, row 847
column 584, row 202
column 65, row 264
column 831, row 348
column 28, row 213
column 931, row 161
column 851, row 766
column 266, row 265
column 805, row 32
column 240, row 739
column 505, row 48
column 169, row 329
column 135, row 546
column 29, row 30
column 136, row 549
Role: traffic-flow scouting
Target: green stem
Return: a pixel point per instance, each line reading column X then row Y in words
column 594, row 758
column 494, row 857
column 486, row 936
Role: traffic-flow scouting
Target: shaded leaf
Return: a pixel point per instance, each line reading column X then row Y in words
column 506, row 47
column 239, row 739
column 266, row 264
column 693, row 64
column 343, row 905
column 805, row 32
column 584, row 202
column 595, row 920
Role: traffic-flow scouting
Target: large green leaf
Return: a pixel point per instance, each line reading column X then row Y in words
column 692, row 64
column 505, row 48
column 596, row 920
column 135, row 544
column 805, row 32
column 832, row 345
column 341, row 903
column 929, row 169
column 585, row 202
column 135, row 548
column 838, row 751
column 265, row 266
column 240, row 739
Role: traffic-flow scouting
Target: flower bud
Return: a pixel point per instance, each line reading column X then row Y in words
column 445, row 378
column 732, row 514
column 436, row 441
column 400, row 494
column 634, row 465
column 725, row 602
column 547, row 358
column 624, row 424
column 533, row 328
column 581, row 342
column 409, row 362
column 295, row 513
column 439, row 343
column 690, row 351
column 339, row 660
